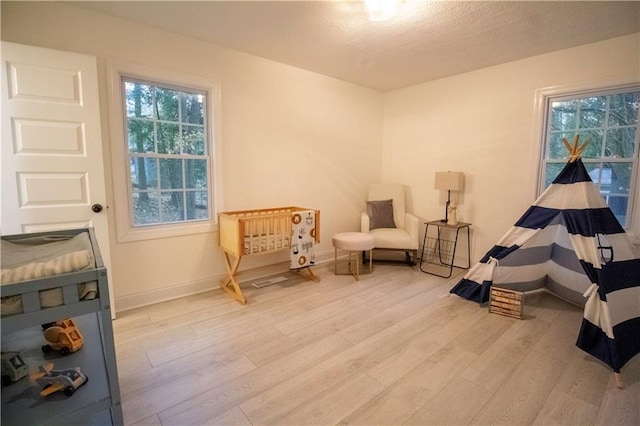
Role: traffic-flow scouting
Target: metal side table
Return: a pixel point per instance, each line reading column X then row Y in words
column 440, row 250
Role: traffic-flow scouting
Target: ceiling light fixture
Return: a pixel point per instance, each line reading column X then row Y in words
column 382, row 10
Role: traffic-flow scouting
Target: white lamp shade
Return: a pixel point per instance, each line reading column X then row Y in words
column 449, row 181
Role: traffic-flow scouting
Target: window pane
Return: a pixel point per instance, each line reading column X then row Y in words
column 552, row 171
column 143, row 173
column 620, row 177
column 621, row 142
column 624, row 109
column 168, row 138
column 197, row 205
column 193, row 140
column 171, row 174
column 600, row 176
column 172, row 208
column 619, row 206
column 145, row 208
column 192, row 108
column 592, row 111
column 594, row 150
column 140, row 135
column 167, row 104
column 563, row 115
column 556, row 147
column 138, row 100
column 196, row 174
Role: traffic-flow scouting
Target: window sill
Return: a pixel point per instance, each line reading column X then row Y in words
column 165, row 231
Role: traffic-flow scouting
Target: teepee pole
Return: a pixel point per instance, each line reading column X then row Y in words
column 576, row 150
column 619, row 382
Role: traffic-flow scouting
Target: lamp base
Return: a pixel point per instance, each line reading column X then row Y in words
column 446, row 209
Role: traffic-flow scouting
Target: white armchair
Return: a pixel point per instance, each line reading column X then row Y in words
column 405, row 236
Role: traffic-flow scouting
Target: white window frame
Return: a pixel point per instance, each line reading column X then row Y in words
column 545, row 96
column 125, row 230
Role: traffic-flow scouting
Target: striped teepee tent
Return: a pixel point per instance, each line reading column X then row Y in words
column 570, row 243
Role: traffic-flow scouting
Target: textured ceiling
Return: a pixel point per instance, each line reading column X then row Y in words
column 428, row 40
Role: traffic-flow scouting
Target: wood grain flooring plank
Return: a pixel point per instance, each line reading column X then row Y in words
column 221, row 340
column 520, row 399
column 411, row 392
column 233, row 417
column 148, row 421
column 213, row 400
column 424, row 344
column 456, row 404
column 329, row 407
column 138, row 405
column 268, row 312
column 560, row 341
column 216, row 357
column 157, row 337
column 495, row 365
column 563, row 409
column 300, row 389
column 621, row 406
column 414, row 300
column 585, row 377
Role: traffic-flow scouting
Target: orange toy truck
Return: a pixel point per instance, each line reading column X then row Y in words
column 62, row 336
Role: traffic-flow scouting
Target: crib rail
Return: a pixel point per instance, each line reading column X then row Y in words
column 251, row 232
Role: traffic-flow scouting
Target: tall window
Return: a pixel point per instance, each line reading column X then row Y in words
column 168, row 153
column 610, row 121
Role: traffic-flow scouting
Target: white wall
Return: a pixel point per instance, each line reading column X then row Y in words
column 483, row 124
column 289, row 137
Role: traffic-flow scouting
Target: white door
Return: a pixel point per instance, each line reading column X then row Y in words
column 52, row 167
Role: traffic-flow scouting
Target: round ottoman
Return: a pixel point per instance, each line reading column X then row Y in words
column 353, row 242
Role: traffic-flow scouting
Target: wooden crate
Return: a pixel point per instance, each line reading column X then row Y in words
column 506, row 302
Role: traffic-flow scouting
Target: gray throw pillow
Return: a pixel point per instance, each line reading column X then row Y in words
column 380, row 214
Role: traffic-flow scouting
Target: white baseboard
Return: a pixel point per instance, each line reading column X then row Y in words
column 132, row 301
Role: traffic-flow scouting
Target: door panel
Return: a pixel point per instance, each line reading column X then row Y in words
column 52, row 165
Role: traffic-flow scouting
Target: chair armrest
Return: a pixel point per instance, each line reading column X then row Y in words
column 364, row 222
column 412, row 226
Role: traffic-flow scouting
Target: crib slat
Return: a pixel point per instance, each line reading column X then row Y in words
column 260, row 231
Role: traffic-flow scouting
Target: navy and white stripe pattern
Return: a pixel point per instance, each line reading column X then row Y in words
column 570, row 243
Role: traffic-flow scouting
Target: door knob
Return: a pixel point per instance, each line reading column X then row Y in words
column 96, row 208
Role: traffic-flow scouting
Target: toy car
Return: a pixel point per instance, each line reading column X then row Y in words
column 62, row 336
column 13, row 368
column 67, row 381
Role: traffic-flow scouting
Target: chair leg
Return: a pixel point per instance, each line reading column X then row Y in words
column 412, row 260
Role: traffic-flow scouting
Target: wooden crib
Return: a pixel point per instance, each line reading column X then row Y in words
column 255, row 232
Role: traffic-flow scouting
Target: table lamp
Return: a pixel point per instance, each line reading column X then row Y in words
column 449, row 181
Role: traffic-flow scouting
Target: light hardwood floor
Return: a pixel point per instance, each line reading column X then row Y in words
column 393, row 348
